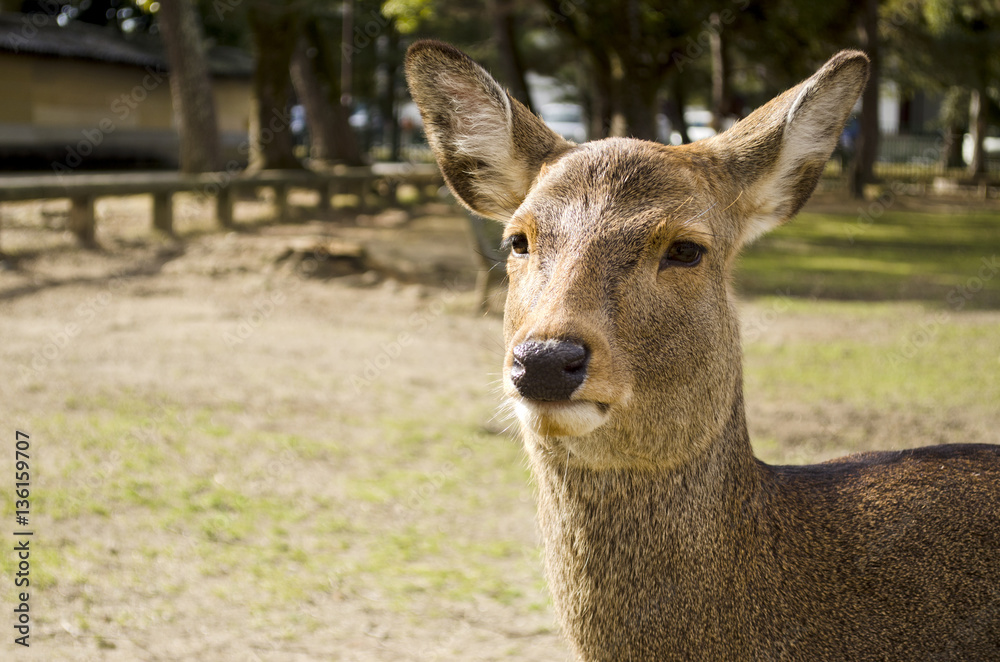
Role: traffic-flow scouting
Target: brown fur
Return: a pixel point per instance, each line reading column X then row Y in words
column 665, row 538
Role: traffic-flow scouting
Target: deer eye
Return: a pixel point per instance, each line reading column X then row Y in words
column 517, row 244
column 682, row 254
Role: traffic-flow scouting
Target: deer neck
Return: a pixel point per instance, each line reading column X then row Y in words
column 624, row 547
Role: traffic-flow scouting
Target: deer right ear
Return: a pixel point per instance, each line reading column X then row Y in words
column 489, row 147
column 778, row 153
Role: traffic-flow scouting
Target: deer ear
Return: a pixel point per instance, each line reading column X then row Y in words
column 778, row 152
column 489, row 147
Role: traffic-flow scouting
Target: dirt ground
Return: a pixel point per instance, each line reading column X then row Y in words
column 298, row 393
column 221, row 323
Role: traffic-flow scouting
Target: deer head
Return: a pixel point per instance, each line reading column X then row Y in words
column 622, row 344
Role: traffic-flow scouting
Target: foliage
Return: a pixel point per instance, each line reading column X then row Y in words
column 629, row 59
column 947, row 260
column 410, row 15
column 128, row 16
column 944, row 43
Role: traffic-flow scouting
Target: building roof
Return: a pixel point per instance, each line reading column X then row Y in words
column 40, row 34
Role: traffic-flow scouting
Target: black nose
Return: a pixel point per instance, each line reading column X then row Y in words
column 549, row 370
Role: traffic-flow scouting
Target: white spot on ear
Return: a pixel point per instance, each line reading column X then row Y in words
column 483, row 119
column 812, row 125
column 803, row 125
column 803, row 93
column 484, row 134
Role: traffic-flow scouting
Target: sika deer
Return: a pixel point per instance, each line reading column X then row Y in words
column 666, row 539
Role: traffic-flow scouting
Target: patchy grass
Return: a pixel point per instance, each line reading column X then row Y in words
column 255, row 494
column 863, row 332
column 897, row 355
column 133, row 462
column 951, row 260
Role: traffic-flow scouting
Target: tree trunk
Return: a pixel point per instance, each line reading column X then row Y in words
column 387, row 93
column 319, row 121
column 977, row 129
column 190, row 87
column 863, row 170
column 275, row 30
column 639, row 105
column 346, row 63
column 639, row 80
column 721, row 103
column 954, row 114
column 510, row 60
column 328, row 69
column 675, row 109
column 951, row 154
column 619, row 90
column 602, row 110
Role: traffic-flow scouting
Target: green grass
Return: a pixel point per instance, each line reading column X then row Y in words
column 873, row 316
column 131, row 461
column 890, row 355
column 420, row 511
column 950, row 260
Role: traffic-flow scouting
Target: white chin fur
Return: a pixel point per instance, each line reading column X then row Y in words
column 560, row 419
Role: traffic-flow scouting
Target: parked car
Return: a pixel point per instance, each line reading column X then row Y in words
column 699, row 121
column 991, row 147
column 566, row 119
column 299, row 125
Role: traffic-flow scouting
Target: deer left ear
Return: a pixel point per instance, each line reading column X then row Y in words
column 778, row 152
column 490, row 147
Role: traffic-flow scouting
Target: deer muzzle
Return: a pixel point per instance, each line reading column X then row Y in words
column 547, row 380
column 549, row 370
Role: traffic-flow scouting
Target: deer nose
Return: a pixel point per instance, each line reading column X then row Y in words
column 549, row 370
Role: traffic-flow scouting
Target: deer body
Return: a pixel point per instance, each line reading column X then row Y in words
column 665, row 538
column 734, row 560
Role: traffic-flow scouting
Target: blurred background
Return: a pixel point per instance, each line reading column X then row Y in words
column 256, row 344
column 673, row 72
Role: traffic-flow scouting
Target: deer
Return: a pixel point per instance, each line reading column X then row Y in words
column 665, row 538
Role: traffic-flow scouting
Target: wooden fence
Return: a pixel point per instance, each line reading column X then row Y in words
column 84, row 189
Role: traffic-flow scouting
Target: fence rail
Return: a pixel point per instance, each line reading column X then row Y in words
column 923, row 157
column 83, row 189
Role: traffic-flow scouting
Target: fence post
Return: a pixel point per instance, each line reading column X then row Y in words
column 280, row 202
column 81, row 218
column 163, row 211
column 325, row 193
column 224, row 206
